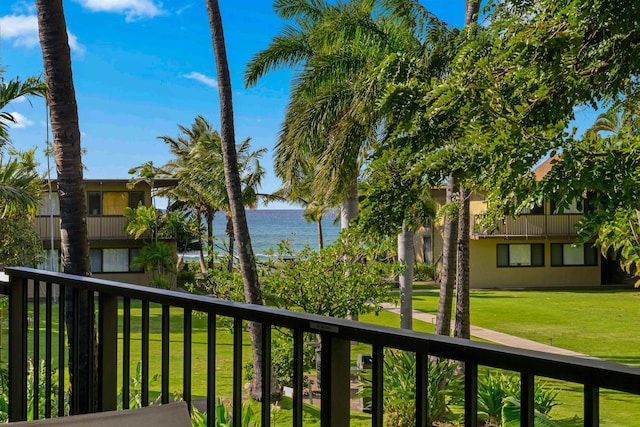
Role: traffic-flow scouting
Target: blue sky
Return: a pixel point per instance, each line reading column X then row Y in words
column 143, row 66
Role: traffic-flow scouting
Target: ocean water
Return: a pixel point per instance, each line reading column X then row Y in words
column 268, row 227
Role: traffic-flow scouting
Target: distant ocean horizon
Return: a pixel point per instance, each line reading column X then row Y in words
column 269, row 227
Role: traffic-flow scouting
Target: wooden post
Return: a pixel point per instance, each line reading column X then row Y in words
column 335, row 387
column 108, row 353
column 18, row 349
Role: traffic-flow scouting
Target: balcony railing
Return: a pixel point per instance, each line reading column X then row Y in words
column 336, row 336
column 526, row 226
column 98, row 227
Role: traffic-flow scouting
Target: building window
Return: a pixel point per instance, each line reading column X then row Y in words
column 133, row 253
column 115, row 260
column 566, row 254
column 136, row 198
column 94, row 203
column 114, row 202
column 95, row 260
column 520, row 255
column 537, row 209
column 575, row 207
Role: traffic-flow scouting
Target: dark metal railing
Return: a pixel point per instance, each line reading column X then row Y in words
column 336, row 336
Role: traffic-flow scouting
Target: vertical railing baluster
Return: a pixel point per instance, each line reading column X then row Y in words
column 186, row 367
column 126, row 351
column 266, row 374
column 298, row 376
column 527, row 399
column 48, row 346
column 145, row 353
column 470, row 394
column 591, row 405
column 422, row 381
column 377, row 382
column 36, row 350
column 107, row 352
column 211, row 368
column 335, row 390
column 61, row 349
column 18, row 349
column 73, row 354
column 90, row 334
column 237, row 371
column 165, row 353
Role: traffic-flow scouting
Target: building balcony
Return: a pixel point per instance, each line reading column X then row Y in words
column 125, row 315
column 98, row 228
column 526, row 226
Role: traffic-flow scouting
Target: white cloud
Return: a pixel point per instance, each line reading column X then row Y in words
column 211, row 82
column 74, row 45
column 21, row 121
column 183, row 8
column 132, row 9
column 23, row 31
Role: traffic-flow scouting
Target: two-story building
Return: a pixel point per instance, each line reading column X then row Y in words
column 111, row 249
column 535, row 250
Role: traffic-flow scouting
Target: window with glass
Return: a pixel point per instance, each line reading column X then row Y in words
column 537, row 209
column 575, row 207
column 114, row 260
column 95, row 260
column 136, row 198
column 520, row 255
column 94, row 203
column 569, row 254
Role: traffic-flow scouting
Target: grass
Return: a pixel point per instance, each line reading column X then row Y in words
column 599, row 322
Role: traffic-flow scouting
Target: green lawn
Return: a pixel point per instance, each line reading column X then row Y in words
column 600, row 323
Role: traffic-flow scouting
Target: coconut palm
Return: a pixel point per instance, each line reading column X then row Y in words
column 199, row 167
column 74, row 245
column 252, row 292
column 10, row 91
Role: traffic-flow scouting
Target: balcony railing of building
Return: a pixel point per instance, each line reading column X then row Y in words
column 114, row 353
column 526, row 226
column 98, row 227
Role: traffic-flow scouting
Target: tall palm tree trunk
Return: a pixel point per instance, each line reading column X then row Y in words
column 320, row 238
column 463, row 317
column 447, row 278
column 231, row 244
column 210, row 215
column 74, row 245
column 252, row 292
column 349, row 208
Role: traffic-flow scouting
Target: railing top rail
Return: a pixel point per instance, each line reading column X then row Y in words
column 601, row 373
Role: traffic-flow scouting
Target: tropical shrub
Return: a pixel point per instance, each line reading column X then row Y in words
column 444, row 388
column 43, row 394
column 497, row 390
column 423, row 272
column 223, row 417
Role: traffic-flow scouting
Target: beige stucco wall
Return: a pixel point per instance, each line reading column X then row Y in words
column 484, row 272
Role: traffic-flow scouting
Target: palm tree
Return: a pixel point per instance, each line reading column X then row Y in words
column 74, row 245
column 199, row 167
column 252, row 292
column 11, row 91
